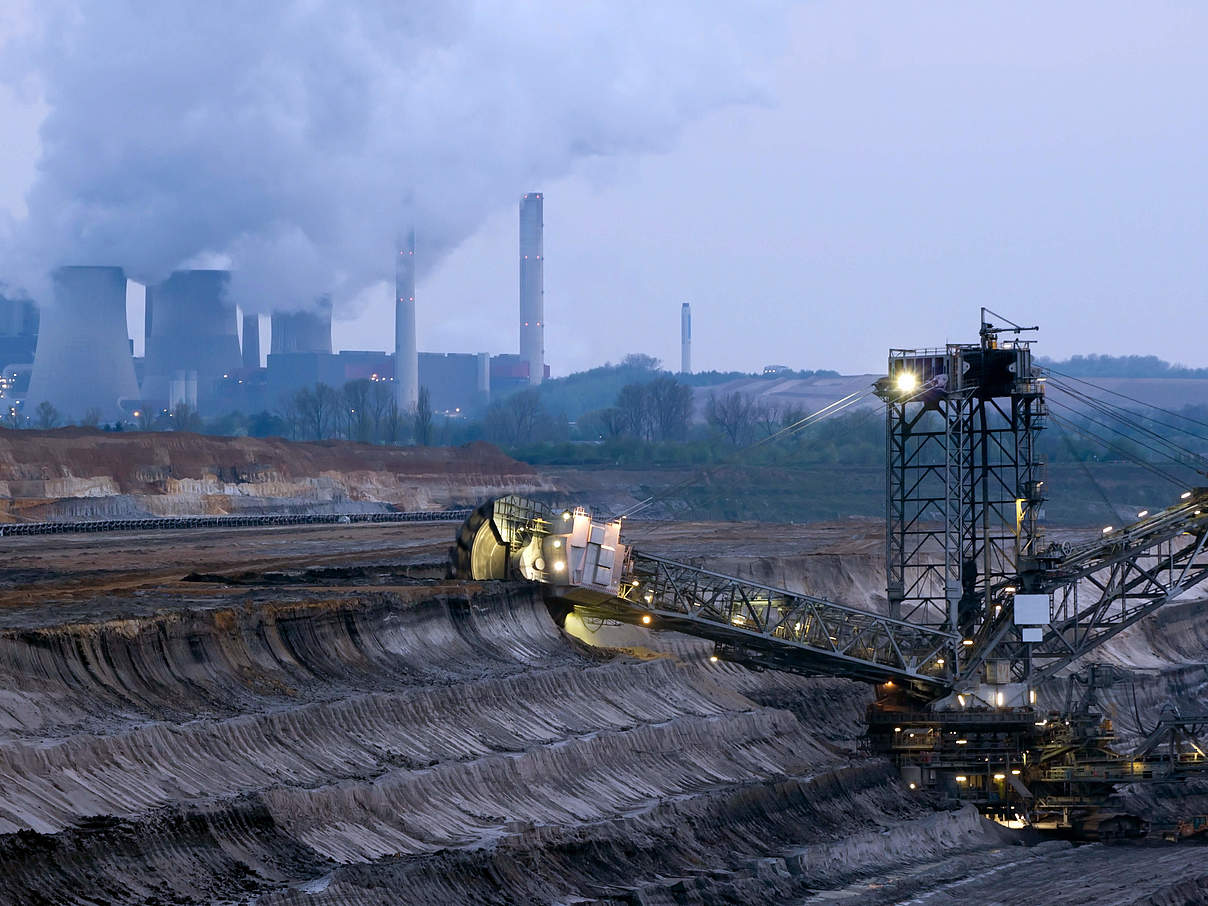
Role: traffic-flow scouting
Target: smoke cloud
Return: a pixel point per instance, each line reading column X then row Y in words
column 293, row 140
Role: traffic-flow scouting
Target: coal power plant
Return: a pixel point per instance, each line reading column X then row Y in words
column 202, row 352
column 83, row 366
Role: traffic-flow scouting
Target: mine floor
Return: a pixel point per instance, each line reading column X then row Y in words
column 314, row 715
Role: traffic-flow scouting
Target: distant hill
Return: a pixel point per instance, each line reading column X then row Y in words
column 1121, row 366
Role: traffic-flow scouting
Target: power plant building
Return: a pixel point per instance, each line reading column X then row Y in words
column 532, row 286
column 83, row 363
column 193, row 339
column 406, row 359
column 306, row 331
column 18, row 343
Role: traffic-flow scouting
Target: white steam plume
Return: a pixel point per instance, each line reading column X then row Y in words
column 294, row 138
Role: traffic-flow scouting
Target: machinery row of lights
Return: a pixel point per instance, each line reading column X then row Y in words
column 1186, row 495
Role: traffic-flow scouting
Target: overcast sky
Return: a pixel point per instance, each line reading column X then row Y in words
column 909, row 163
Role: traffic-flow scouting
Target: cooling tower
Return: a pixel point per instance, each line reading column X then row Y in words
column 532, row 286
column 251, row 341
column 303, row 331
column 192, row 327
column 83, row 360
column 406, row 358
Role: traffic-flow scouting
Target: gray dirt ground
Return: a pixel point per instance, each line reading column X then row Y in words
column 312, row 715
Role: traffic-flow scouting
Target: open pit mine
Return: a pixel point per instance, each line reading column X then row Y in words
column 523, row 700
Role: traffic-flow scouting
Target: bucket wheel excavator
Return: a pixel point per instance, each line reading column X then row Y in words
column 987, row 619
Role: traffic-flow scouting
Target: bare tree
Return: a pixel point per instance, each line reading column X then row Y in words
column 732, row 414
column 381, row 398
column 517, row 419
column 12, row 418
column 602, row 423
column 642, row 361
column 421, row 418
column 144, row 418
column 396, row 424
column 670, row 407
column 46, row 415
column 358, row 423
column 185, row 418
column 92, row 418
column 316, row 410
column 633, row 403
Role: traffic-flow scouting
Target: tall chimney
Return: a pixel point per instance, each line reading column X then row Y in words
column 686, row 338
column 532, row 287
column 406, row 358
column 251, row 341
column 83, row 360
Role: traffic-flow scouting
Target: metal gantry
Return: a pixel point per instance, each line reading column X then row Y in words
column 790, row 630
column 1100, row 588
column 964, row 483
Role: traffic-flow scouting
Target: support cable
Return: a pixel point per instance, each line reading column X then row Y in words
column 1095, row 438
column 1162, row 455
column 1111, row 507
column 1125, row 396
column 1110, row 411
column 796, row 427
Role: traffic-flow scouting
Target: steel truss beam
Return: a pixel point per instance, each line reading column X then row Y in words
column 1101, row 588
column 802, row 632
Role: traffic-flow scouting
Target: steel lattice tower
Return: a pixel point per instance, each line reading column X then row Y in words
column 964, row 483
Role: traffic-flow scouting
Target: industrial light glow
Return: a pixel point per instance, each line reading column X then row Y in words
column 961, row 778
column 961, row 699
column 913, row 787
column 1142, row 514
column 1185, row 495
column 559, row 566
column 1000, row 776
column 907, row 382
column 646, row 619
column 713, row 659
column 1106, row 529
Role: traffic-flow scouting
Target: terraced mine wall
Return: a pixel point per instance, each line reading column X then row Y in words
column 77, row 473
column 431, row 743
column 312, row 715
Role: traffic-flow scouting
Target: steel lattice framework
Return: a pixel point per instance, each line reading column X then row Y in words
column 1101, row 588
column 964, row 486
column 785, row 629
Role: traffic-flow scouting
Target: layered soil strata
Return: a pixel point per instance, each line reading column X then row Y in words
column 82, row 473
column 300, row 717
